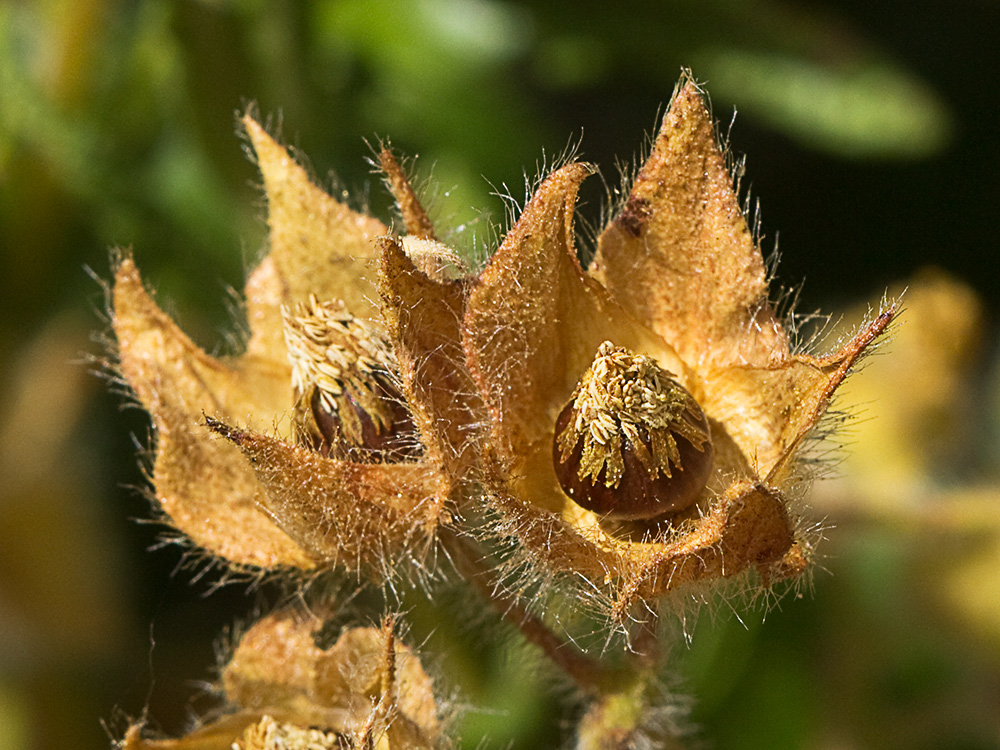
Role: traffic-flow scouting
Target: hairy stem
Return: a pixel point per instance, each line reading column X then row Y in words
column 645, row 642
column 585, row 672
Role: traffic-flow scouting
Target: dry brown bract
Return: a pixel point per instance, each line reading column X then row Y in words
column 283, row 692
column 478, row 370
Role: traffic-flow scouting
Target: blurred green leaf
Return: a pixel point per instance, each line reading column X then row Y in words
column 868, row 109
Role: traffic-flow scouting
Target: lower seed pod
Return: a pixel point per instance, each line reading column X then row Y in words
column 632, row 443
column 347, row 401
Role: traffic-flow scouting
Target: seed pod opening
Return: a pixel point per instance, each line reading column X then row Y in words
column 632, row 443
column 348, row 403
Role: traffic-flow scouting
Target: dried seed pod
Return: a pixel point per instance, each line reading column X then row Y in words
column 344, row 378
column 632, row 443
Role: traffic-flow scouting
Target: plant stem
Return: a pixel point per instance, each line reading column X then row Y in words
column 585, row 672
column 646, row 650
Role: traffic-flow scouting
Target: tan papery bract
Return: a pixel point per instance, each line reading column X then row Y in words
column 341, row 513
column 316, row 245
column 680, row 256
column 279, row 681
column 202, row 483
column 423, row 317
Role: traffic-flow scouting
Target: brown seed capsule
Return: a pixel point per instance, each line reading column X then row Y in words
column 632, row 443
column 347, row 401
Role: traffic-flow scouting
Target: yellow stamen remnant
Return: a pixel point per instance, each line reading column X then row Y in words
column 616, row 445
column 344, row 377
column 268, row 734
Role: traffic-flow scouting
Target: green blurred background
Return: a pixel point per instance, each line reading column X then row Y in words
column 870, row 134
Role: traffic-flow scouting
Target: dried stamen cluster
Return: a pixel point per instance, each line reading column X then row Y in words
column 632, row 443
column 344, row 379
column 268, row 734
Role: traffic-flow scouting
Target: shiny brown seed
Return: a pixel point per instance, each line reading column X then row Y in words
column 632, row 443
